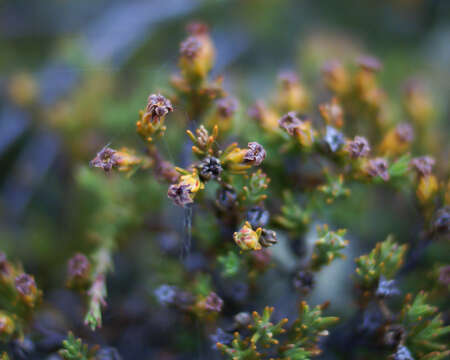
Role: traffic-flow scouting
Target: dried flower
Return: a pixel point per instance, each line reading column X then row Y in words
column 213, row 302
column 158, row 106
column 190, row 47
column 378, row 167
column 257, row 217
column 180, row 194
column 247, row 238
column 358, row 147
column 78, row 268
column 334, row 139
column 386, row 288
column 290, row 122
column 304, row 281
column 25, row 284
column 404, row 132
column 166, row 294
column 226, row 198
column 255, row 154
column 369, row 63
column 332, row 113
column 106, row 159
column 403, row 353
column 221, row 337
column 423, row 165
column 210, row 168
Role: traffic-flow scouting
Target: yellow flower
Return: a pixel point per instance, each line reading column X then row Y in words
column 427, row 187
column 247, row 238
column 193, row 181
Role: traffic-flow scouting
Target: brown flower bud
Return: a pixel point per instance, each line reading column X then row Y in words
column 255, row 154
column 358, row 147
column 378, row 167
column 423, row 165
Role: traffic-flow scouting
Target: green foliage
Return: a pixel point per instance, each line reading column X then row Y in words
column 424, row 329
column 298, row 341
column 384, row 260
column 293, row 217
column 328, row 247
column 230, row 264
column 74, row 349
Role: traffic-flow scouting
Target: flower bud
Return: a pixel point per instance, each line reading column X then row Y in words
column 291, row 95
column 7, row 327
column 358, row 147
column 223, row 114
column 248, row 239
column 418, row 103
column 365, row 80
column 196, row 53
column 151, row 121
column 397, row 140
column 158, row 106
column 300, row 129
column 78, row 270
column 336, row 77
column 332, row 113
column 423, row 165
column 26, row 288
column 210, row 168
column 212, row 302
column 268, row 238
column 255, row 154
column 427, row 188
column 378, row 167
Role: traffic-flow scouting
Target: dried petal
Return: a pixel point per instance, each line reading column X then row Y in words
column 255, row 154
column 180, row 194
column 358, row 147
column 378, row 167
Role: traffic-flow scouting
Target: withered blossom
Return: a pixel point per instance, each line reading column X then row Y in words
column 423, row 165
column 404, row 132
column 255, row 154
column 78, row 267
column 190, row 47
column 158, row 106
column 213, row 302
column 25, row 284
column 290, row 122
column 227, row 106
column 378, row 167
column 210, row 168
column 180, row 194
column 304, row 281
column 369, row 63
column 358, row 147
column 106, row 159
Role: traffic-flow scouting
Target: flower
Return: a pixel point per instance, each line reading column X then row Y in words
column 190, row 47
column 378, row 167
column 255, row 154
column 332, row 113
column 369, row 63
column 227, row 106
column 386, row 288
column 336, row 77
column 248, row 239
column 290, row 123
column 301, row 129
column 333, row 138
column 180, row 194
column 423, row 165
column 106, row 159
column 404, row 132
column 257, row 217
column 213, row 302
column 25, row 284
column 158, row 106
column 166, row 294
column 78, row 268
column 358, row 147
column 210, row 168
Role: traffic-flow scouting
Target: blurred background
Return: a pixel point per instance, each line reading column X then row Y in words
column 73, row 75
